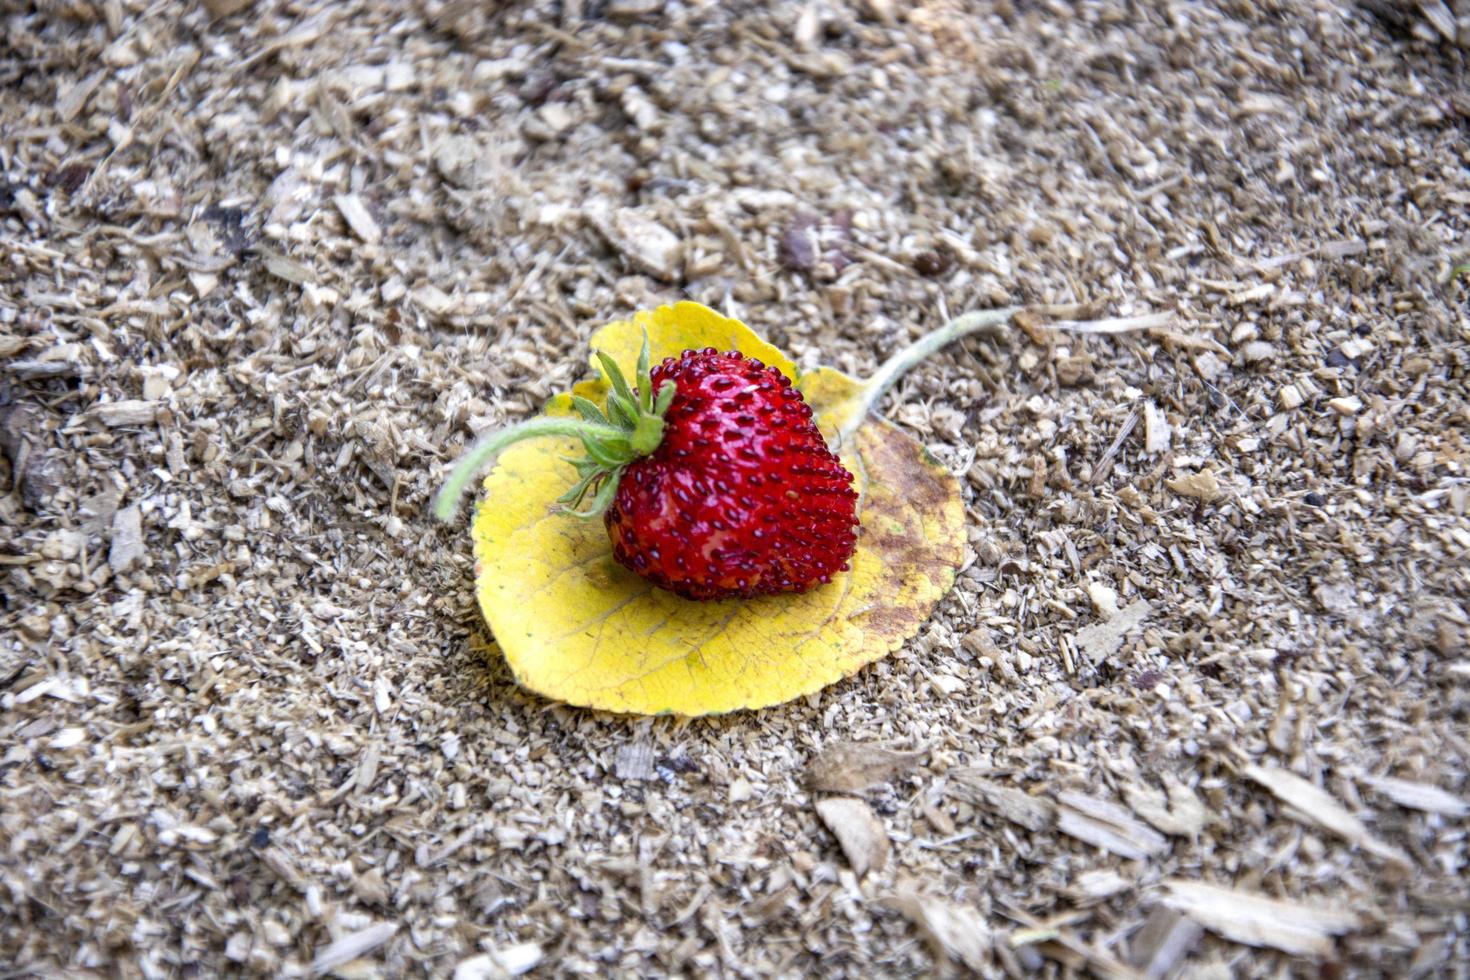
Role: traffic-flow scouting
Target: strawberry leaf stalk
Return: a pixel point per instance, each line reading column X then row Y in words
column 710, row 474
column 632, row 427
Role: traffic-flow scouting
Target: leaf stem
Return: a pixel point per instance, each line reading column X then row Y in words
column 493, row 445
column 899, row 364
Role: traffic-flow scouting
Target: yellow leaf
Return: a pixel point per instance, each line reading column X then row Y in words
column 577, row 627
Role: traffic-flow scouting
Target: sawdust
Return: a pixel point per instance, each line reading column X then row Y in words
column 266, row 267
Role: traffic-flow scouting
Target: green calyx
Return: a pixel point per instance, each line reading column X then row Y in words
column 632, row 426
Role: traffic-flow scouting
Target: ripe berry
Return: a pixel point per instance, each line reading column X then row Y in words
column 742, row 497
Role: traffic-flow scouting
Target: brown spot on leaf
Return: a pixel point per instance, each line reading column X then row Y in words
column 888, row 621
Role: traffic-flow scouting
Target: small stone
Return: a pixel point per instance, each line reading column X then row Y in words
column 933, row 262
column 1351, row 405
column 740, row 790
column 798, row 248
column 1289, row 397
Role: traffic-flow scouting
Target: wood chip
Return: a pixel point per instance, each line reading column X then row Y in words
column 1156, row 429
column 1310, row 804
column 33, row 368
column 1054, row 940
column 367, row 770
column 1099, row 885
column 1028, row 811
column 1251, row 295
column 1255, row 920
column 1418, row 796
column 1101, row 640
column 511, row 961
column 351, row 946
column 634, row 761
column 462, row 161
column 282, row 267
column 1438, row 14
column 1149, row 321
column 955, row 932
column 1188, row 341
column 1203, row 485
column 859, row 831
column 358, row 218
column 126, row 412
column 1166, row 938
column 646, row 244
column 1108, row 826
column 1104, row 599
column 71, row 101
column 433, row 300
column 1179, row 813
column 127, row 546
column 224, row 8
column 851, row 767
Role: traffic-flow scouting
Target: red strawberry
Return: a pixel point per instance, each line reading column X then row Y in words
column 718, row 486
column 742, row 497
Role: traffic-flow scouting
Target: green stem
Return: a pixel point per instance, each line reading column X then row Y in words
column 488, row 448
column 899, row 364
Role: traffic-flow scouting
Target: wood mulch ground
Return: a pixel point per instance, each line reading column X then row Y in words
column 1199, row 704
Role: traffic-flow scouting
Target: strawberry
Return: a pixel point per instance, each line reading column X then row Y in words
column 711, row 477
column 742, row 497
